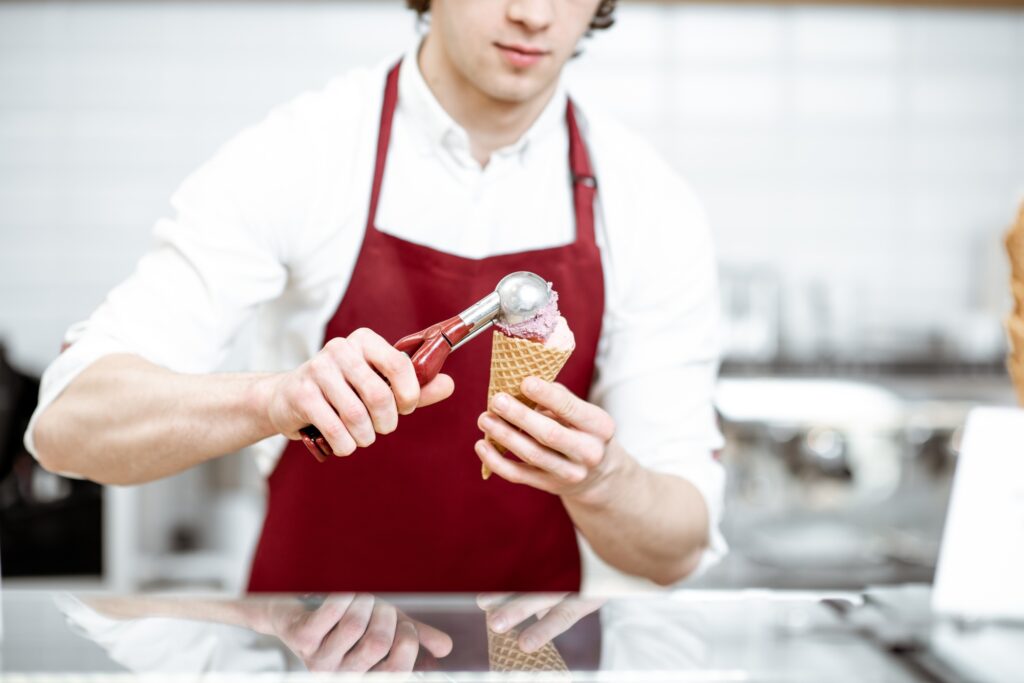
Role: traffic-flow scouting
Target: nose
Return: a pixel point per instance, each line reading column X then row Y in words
column 535, row 15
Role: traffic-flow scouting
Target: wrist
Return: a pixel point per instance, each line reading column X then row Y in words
column 258, row 397
column 255, row 614
column 611, row 478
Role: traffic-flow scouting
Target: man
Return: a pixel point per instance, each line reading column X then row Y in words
column 385, row 202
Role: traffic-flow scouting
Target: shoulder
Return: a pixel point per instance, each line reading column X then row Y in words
column 337, row 113
column 640, row 191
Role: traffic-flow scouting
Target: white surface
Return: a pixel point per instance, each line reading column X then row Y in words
column 808, row 402
column 981, row 563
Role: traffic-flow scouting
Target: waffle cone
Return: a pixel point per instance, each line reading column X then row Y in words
column 504, row 655
column 1016, row 367
column 1015, row 331
column 1014, row 241
column 1018, row 298
column 512, row 361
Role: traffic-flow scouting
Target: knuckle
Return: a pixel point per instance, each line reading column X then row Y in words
column 379, row 396
column 305, row 644
column 364, row 335
column 593, row 454
column 551, row 436
column 337, row 350
column 398, row 363
column 567, row 404
column 306, row 392
column 561, row 618
column 316, row 664
column 349, row 632
column 334, row 432
column 352, row 412
column 574, row 476
column 376, row 647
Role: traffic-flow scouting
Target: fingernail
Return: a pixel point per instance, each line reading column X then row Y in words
column 531, row 384
column 501, row 401
column 500, row 626
column 528, row 645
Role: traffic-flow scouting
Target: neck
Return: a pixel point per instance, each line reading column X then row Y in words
column 490, row 123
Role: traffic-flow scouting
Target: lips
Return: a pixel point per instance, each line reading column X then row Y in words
column 521, row 56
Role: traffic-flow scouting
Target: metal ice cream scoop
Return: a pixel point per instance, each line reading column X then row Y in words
column 518, row 297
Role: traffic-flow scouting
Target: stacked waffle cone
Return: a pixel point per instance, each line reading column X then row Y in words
column 1015, row 321
column 512, row 361
column 504, row 655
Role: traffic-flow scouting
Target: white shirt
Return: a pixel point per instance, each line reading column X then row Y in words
column 268, row 230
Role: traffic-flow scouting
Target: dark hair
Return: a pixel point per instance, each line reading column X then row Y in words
column 602, row 17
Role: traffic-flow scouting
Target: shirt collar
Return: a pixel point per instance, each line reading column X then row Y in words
column 440, row 129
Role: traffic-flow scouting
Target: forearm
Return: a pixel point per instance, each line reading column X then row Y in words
column 645, row 523
column 124, row 420
column 226, row 611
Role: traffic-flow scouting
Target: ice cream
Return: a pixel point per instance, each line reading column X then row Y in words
column 540, row 326
column 561, row 336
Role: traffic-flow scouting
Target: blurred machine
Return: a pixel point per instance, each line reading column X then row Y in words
column 49, row 525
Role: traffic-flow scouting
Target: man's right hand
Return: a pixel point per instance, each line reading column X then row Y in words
column 342, row 392
column 357, row 633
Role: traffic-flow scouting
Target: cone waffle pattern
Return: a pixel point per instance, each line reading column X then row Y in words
column 512, row 361
column 1015, row 322
column 504, row 655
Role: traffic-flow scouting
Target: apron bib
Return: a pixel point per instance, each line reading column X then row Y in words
column 410, row 513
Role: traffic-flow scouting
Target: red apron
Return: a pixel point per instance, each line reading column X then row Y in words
column 410, row 513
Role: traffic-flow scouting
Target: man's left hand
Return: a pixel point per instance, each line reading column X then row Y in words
column 556, row 613
column 566, row 444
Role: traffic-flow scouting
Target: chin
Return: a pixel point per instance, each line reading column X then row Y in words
column 515, row 88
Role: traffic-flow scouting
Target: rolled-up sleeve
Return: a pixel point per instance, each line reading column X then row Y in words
column 659, row 353
column 218, row 257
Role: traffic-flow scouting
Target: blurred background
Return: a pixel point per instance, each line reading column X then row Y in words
column 859, row 164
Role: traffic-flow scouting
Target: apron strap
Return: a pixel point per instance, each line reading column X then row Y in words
column 584, row 183
column 387, row 114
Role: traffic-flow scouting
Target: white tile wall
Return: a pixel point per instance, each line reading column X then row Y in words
column 873, row 152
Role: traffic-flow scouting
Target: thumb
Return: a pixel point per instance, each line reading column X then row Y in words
column 436, row 390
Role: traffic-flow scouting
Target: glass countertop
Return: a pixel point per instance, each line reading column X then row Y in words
column 755, row 635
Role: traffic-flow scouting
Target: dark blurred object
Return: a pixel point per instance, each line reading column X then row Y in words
column 49, row 525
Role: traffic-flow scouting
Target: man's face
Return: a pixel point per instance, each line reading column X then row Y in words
column 510, row 50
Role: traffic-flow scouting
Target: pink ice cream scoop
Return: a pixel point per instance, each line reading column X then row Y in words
column 537, row 328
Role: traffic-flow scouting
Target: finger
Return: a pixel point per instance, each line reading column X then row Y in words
column 326, row 616
column 514, row 472
column 303, row 630
column 559, row 619
column 520, row 609
column 531, row 452
column 396, row 367
column 569, row 407
column 492, row 600
column 437, row 642
column 376, row 642
column 436, row 390
column 347, row 632
column 334, row 375
column 404, row 650
column 377, row 398
column 322, row 416
column 577, row 445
